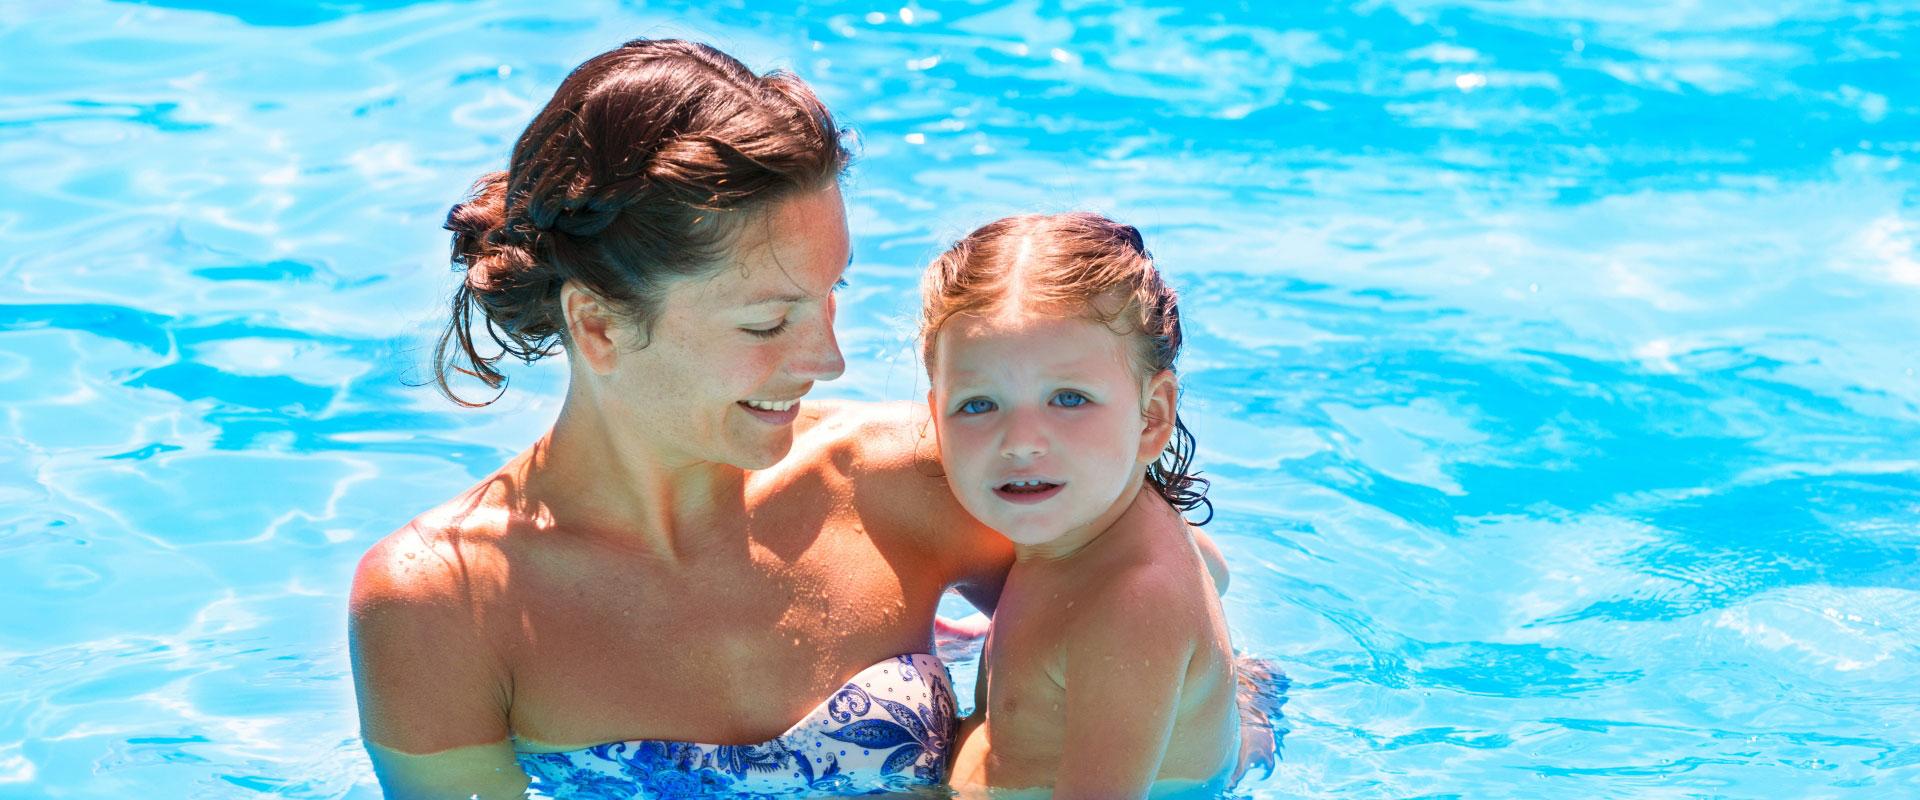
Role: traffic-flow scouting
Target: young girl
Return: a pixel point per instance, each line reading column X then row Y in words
column 1050, row 341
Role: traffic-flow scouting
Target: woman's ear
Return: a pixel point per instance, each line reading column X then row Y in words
column 591, row 326
column 1162, row 398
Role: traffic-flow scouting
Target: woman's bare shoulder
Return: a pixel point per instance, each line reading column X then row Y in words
column 427, row 678
column 872, row 439
column 433, row 554
column 886, row 455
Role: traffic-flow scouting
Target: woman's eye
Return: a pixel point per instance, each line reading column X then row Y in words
column 976, row 406
column 841, row 284
column 767, row 333
column 1070, row 399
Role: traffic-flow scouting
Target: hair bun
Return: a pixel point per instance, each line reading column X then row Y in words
column 475, row 221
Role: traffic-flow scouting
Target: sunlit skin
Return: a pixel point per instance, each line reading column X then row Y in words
column 1110, row 594
column 1051, row 399
column 667, row 563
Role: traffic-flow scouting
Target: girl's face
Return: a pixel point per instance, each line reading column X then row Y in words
column 731, row 353
column 1040, row 420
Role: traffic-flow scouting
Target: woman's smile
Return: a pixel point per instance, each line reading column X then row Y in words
column 773, row 412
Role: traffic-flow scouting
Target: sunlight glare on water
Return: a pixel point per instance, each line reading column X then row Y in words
column 1555, row 363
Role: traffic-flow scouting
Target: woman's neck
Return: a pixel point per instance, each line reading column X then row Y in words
column 598, row 479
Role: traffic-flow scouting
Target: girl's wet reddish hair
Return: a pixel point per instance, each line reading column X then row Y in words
column 639, row 171
column 1077, row 264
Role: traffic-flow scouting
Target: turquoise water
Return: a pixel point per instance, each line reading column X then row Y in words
column 1555, row 363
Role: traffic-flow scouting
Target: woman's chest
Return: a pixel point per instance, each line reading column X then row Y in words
column 731, row 652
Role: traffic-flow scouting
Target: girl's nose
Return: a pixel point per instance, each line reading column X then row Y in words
column 1024, row 439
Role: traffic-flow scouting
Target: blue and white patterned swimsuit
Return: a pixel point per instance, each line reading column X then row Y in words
column 887, row 730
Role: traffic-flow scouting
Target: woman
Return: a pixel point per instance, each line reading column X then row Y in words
column 692, row 554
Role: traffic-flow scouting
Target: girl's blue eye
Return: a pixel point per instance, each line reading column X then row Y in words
column 976, row 406
column 1070, row 399
column 841, row 284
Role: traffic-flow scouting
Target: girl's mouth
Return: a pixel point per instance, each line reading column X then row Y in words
column 1027, row 492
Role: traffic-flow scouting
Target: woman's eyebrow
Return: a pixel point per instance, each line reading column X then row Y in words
column 787, row 295
column 769, row 299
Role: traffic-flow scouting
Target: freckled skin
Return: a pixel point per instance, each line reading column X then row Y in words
column 663, row 564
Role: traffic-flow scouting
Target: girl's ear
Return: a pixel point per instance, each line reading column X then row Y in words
column 1163, row 395
column 591, row 325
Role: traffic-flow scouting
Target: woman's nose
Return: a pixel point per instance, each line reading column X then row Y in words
column 821, row 359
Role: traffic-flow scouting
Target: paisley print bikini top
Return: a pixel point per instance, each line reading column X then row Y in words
column 887, row 730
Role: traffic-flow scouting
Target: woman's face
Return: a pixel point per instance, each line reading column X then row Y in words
column 731, row 353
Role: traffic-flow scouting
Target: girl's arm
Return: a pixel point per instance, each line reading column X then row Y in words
column 1126, row 664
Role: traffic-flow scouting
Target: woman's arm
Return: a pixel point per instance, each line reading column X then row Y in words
column 484, row 771
column 432, row 697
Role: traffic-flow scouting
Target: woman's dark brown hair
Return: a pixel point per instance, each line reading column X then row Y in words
column 1072, row 264
column 640, row 170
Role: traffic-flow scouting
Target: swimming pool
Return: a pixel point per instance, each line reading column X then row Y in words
column 1555, row 364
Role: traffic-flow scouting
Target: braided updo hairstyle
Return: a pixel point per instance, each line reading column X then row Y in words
column 1071, row 264
column 639, row 171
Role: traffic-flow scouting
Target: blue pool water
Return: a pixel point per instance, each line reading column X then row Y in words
column 1555, row 363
